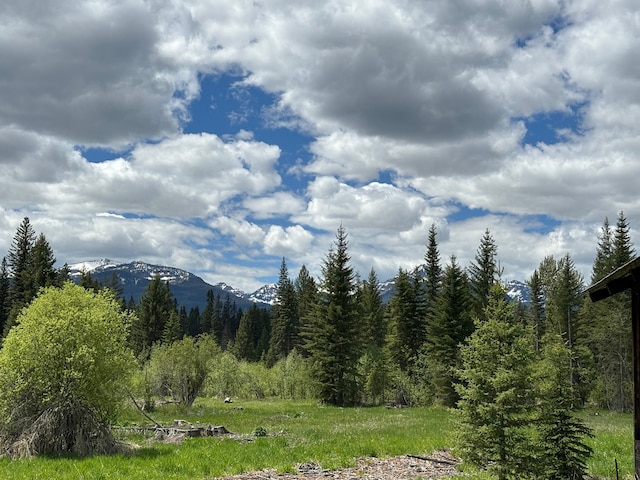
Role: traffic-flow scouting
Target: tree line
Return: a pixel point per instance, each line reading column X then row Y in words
column 365, row 350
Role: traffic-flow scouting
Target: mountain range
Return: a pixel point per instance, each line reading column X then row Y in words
column 191, row 290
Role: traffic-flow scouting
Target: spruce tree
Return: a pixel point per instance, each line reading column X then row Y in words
column 4, row 293
column 562, row 435
column 183, row 320
column 374, row 363
column 603, row 264
column 230, row 321
column 249, row 344
column 606, row 323
column 307, row 295
column 623, row 251
column 20, row 261
column 563, row 300
column 172, row 331
column 432, row 269
column 536, row 308
column 44, row 271
column 483, row 273
column 193, row 322
column 216, row 322
column 285, row 323
column 373, row 316
column 154, row 310
column 206, row 318
column 407, row 329
column 497, row 394
column 243, row 347
column 451, row 325
column 334, row 337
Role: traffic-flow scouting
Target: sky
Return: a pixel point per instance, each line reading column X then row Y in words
column 221, row 136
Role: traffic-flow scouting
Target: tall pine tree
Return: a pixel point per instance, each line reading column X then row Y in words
column 4, row 293
column 154, row 310
column 285, row 321
column 484, row 273
column 373, row 311
column 334, row 336
column 20, row 261
column 44, row 271
column 451, row 325
column 407, row 329
column 607, row 323
column 497, row 394
column 307, row 295
column 432, row 269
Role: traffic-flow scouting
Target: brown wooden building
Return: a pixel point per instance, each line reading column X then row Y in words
column 625, row 278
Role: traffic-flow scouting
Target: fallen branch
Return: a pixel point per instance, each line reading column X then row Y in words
column 434, row 460
column 143, row 412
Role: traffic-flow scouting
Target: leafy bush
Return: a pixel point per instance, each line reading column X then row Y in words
column 293, row 378
column 230, row 377
column 181, row 368
column 64, row 370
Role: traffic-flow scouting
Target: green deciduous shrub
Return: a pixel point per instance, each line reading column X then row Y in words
column 64, row 370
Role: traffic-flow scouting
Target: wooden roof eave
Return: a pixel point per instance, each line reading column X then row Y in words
column 618, row 281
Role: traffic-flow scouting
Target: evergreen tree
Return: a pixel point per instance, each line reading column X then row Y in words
column 334, row 337
column 562, row 435
column 497, row 394
column 131, row 304
column 307, row 295
column 4, row 293
column 172, row 329
column 607, row 323
column 183, row 320
column 20, row 261
column 373, row 311
column 603, row 264
column 230, row 321
column 623, row 251
column 483, row 273
column 243, row 347
column 564, row 299
column 113, row 284
column 449, row 329
column 407, row 330
column 247, row 345
column 154, row 310
column 536, row 308
column 216, row 321
column 88, row 282
column 374, row 363
column 206, row 319
column 44, row 271
column 193, row 322
column 285, row 322
column 433, row 270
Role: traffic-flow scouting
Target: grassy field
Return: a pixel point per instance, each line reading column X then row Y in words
column 297, row 431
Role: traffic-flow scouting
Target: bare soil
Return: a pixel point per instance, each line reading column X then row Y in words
column 439, row 464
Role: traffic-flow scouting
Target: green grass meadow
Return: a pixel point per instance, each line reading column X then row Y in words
column 297, row 432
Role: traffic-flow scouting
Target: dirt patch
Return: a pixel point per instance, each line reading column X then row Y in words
column 439, row 464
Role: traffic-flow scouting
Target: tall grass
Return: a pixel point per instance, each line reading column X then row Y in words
column 297, row 432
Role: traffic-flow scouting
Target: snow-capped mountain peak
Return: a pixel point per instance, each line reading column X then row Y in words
column 91, row 265
column 265, row 294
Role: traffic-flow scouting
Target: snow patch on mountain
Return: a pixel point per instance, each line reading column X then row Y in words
column 90, row 265
column 518, row 291
column 265, row 294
